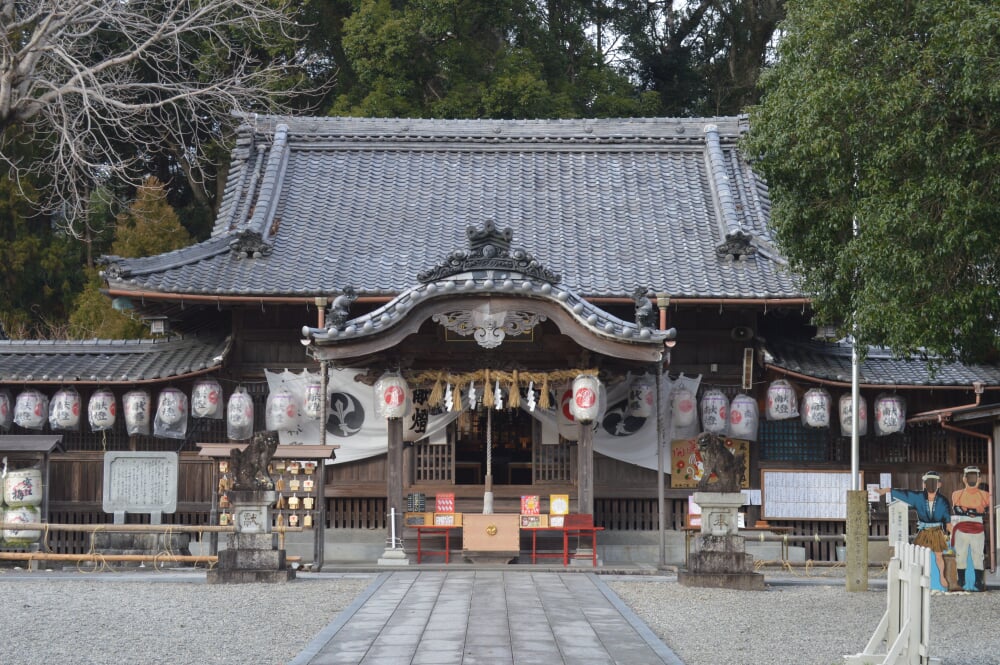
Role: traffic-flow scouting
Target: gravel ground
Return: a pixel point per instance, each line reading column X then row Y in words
column 75, row 619
column 800, row 624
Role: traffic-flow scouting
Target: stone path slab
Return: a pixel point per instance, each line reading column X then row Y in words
column 486, row 618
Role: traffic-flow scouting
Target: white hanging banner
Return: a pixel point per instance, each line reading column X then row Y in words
column 352, row 421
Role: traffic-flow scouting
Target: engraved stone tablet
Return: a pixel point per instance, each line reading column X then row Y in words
column 140, row 482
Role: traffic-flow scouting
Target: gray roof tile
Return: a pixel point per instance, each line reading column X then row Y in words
column 108, row 361
column 611, row 205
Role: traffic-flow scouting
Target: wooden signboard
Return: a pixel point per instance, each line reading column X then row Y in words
column 788, row 494
column 686, row 467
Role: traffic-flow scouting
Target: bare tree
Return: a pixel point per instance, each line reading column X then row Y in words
column 91, row 90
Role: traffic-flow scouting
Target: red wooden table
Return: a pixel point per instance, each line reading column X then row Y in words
column 434, row 530
column 580, row 525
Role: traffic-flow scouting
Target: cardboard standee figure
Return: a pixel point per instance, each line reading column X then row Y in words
column 249, row 467
column 970, row 508
column 933, row 522
column 719, row 460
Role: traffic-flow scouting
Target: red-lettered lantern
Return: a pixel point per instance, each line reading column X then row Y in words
column 890, row 414
column 239, row 415
column 816, row 407
column 206, row 399
column 846, row 426
column 585, row 403
column 641, row 397
column 683, row 407
column 715, row 411
column 101, row 410
column 64, row 410
column 172, row 406
column 743, row 418
column 391, row 396
column 6, row 410
column 312, row 403
column 138, row 411
column 781, row 401
column 282, row 410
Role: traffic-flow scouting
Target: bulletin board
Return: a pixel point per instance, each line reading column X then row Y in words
column 788, row 494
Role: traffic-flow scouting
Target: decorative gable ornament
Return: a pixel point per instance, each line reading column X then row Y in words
column 250, row 245
column 101, row 410
column 816, row 408
column 489, row 328
column 890, row 414
column 206, row 399
column 391, row 396
column 781, row 401
column 738, row 246
column 585, row 403
column 846, row 424
column 489, row 249
column 715, row 411
column 64, row 410
column 138, row 412
column 743, row 418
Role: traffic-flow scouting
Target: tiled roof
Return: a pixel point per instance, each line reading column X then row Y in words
column 314, row 205
column 108, row 361
column 831, row 361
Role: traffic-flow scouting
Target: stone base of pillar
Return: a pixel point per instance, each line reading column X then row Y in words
column 393, row 557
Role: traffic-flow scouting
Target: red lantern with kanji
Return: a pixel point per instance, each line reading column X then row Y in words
column 391, row 396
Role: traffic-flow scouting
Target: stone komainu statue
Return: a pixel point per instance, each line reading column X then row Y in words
column 249, row 467
column 716, row 458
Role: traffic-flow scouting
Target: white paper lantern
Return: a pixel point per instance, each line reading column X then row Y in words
column 391, row 396
column 239, row 415
column 6, row 410
column 282, row 410
column 206, row 399
column 715, row 411
column 846, row 426
column 312, row 404
column 171, row 407
column 641, row 397
column 743, row 418
column 890, row 414
column 585, row 404
column 138, row 411
column 31, row 409
column 816, row 407
column 101, row 410
column 64, row 410
column 683, row 407
column 565, row 422
column 781, row 401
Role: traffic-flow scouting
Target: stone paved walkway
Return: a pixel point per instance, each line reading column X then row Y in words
column 486, row 618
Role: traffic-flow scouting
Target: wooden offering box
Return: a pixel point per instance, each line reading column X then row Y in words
column 491, row 537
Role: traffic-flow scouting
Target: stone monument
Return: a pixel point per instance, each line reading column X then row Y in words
column 720, row 560
column 251, row 555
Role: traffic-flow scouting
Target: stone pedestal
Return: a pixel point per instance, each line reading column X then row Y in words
column 250, row 555
column 721, row 560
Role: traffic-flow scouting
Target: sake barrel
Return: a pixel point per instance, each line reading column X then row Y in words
column 6, row 410
column 391, row 393
column 890, row 414
column 21, row 515
column 683, row 407
column 585, row 404
column 138, row 411
column 30, row 409
column 743, row 418
column 101, row 411
column 282, row 410
column 816, row 408
column 641, row 397
column 206, row 399
column 846, row 425
column 23, row 487
column 781, row 401
column 64, row 410
column 714, row 411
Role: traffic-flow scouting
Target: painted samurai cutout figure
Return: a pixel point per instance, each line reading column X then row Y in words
column 970, row 509
column 933, row 522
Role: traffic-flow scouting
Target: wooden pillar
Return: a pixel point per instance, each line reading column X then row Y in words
column 585, row 469
column 857, row 540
